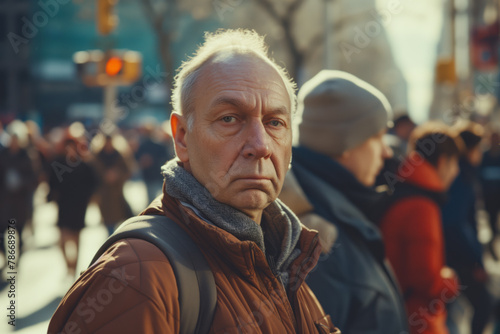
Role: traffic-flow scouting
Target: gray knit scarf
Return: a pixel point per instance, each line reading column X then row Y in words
column 279, row 224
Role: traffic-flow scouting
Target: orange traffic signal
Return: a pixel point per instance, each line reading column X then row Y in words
column 113, row 66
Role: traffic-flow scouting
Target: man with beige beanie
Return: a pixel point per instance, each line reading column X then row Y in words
column 338, row 155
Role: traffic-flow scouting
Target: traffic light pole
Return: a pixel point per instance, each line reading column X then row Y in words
column 110, row 93
column 106, row 22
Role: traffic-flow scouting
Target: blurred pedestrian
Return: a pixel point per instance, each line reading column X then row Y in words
column 18, row 182
column 340, row 151
column 150, row 156
column 397, row 139
column 400, row 134
column 114, row 165
column 490, row 182
column 412, row 227
column 72, row 181
column 40, row 150
column 464, row 252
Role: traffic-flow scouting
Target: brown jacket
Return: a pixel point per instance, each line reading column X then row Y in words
column 132, row 288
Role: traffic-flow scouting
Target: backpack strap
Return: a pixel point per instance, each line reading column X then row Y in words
column 197, row 306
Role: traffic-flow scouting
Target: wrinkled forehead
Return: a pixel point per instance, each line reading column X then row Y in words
column 246, row 67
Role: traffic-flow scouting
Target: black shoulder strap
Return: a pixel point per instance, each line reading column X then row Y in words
column 197, row 306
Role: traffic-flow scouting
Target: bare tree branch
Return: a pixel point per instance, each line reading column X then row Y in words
column 269, row 7
column 286, row 21
column 294, row 6
column 165, row 37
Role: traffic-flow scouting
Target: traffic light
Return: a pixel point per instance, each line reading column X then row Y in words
column 114, row 67
column 106, row 19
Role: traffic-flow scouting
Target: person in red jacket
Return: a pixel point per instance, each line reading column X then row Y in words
column 412, row 228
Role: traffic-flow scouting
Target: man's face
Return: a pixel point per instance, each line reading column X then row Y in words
column 239, row 146
column 366, row 160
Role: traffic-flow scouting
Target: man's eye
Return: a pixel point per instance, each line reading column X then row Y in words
column 276, row 123
column 228, row 119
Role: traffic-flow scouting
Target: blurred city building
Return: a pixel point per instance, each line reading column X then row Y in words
column 38, row 79
column 466, row 79
column 16, row 90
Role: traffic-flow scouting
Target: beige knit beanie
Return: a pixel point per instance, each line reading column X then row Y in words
column 339, row 111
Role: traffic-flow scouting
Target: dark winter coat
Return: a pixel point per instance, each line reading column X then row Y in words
column 463, row 248
column 114, row 170
column 353, row 283
column 71, row 186
column 158, row 154
column 17, row 185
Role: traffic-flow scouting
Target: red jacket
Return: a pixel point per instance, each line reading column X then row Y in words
column 132, row 287
column 415, row 247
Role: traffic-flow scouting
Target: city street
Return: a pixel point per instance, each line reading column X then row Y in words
column 94, row 95
column 42, row 280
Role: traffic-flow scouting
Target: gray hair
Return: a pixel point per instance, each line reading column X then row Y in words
column 240, row 40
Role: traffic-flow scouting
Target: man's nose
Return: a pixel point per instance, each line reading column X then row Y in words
column 257, row 141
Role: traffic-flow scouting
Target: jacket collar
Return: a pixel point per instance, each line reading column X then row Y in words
column 332, row 204
column 335, row 193
column 365, row 199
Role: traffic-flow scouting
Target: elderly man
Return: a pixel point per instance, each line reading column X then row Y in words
column 340, row 152
column 232, row 130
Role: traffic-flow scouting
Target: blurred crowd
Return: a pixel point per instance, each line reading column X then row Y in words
column 80, row 168
column 79, row 165
column 473, row 186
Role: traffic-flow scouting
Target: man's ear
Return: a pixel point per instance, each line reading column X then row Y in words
column 179, row 130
